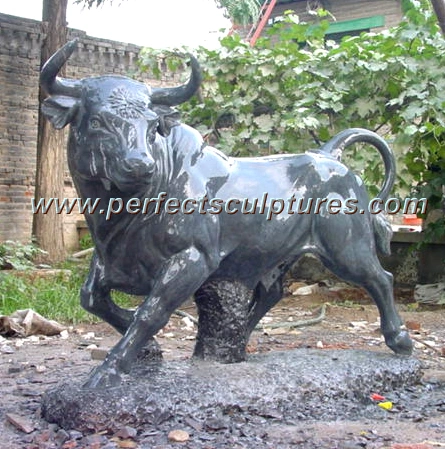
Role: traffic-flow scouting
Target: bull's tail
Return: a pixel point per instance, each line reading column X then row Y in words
column 335, row 147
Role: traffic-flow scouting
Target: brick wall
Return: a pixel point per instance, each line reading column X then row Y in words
column 19, row 66
column 19, row 73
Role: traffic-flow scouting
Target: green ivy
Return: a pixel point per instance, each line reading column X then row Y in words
column 17, row 255
column 295, row 89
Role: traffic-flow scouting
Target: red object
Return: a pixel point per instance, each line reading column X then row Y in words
column 377, row 397
column 264, row 17
column 411, row 219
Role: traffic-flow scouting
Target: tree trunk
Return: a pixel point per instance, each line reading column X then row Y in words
column 439, row 8
column 48, row 228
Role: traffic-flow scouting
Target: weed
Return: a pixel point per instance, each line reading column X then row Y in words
column 56, row 297
column 18, row 256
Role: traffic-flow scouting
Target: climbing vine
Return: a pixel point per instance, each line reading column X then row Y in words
column 296, row 88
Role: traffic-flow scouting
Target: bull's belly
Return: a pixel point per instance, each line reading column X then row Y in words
column 260, row 251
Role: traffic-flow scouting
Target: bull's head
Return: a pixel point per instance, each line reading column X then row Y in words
column 115, row 121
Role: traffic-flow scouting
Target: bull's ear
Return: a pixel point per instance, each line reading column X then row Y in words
column 168, row 118
column 60, row 110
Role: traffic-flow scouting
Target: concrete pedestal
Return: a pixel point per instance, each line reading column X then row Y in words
column 298, row 384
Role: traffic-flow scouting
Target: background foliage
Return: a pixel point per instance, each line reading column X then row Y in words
column 242, row 12
column 295, row 89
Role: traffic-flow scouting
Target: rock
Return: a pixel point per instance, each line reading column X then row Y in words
column 178, row 436
column 430, row 293
column 20, row 422
column 126, row 432
column 62, row 436
column 296, row 285
column 126, row 444
column 99, row 353
column 189, row 324
column 70, row 444
column 75, row 435
column 413, row 325
column 307, row 290
column 64, row 334
column 359, row 325
column 7, row 350
column 15, row 368
column 40, row 369
column 411, row 446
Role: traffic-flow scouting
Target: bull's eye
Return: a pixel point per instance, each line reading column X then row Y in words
column 151, row 136
column 95, row 123
column 151, row 130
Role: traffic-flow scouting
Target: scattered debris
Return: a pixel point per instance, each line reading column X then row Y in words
column 40, row 369
column 411, row 446
column 24, row 323
column 15, row 368
column 189, row 324
column 294, row 324
column 20, row 423
column 361, row 325
column 126, row 432
column 126, row 444
column 99, row 353
column 419, row 408
column 433, row 294
column 386, row 405
column 186, row 315
column 178, row 436
column 307, row 290
column 83, row 253
column 430, row 345
column 413, row 325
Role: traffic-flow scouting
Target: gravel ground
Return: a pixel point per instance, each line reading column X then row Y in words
column 30, row 367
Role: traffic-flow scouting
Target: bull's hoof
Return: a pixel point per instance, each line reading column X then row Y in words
column 103, row 377
column 400, row 343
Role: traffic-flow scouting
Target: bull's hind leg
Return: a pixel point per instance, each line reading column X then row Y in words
column 348, row 250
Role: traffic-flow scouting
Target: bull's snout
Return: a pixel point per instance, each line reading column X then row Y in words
column 139, row 163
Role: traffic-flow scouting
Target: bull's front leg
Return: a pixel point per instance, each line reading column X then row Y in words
column 180, row 277
column 95, row 298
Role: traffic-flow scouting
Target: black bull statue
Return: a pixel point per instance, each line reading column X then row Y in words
column 126, row 142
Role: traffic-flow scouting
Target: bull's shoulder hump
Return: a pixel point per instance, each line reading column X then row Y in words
column 186, row 135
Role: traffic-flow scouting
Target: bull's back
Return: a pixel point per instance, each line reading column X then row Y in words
column 290, row 194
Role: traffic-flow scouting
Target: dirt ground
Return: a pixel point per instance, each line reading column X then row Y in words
column 30, row 366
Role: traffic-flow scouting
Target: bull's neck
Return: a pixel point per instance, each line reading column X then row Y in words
column 106, row 223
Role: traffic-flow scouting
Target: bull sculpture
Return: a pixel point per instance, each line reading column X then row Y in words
column 126, row 142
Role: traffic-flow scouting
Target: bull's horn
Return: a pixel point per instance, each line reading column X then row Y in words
column 171, row 96
column 48, row 76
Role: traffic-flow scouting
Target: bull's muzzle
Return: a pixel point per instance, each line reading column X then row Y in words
column 139, row 164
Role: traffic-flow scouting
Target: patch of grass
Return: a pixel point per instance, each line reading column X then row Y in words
column 56, row 297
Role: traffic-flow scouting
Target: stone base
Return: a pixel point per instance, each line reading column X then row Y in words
column 298, row 384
